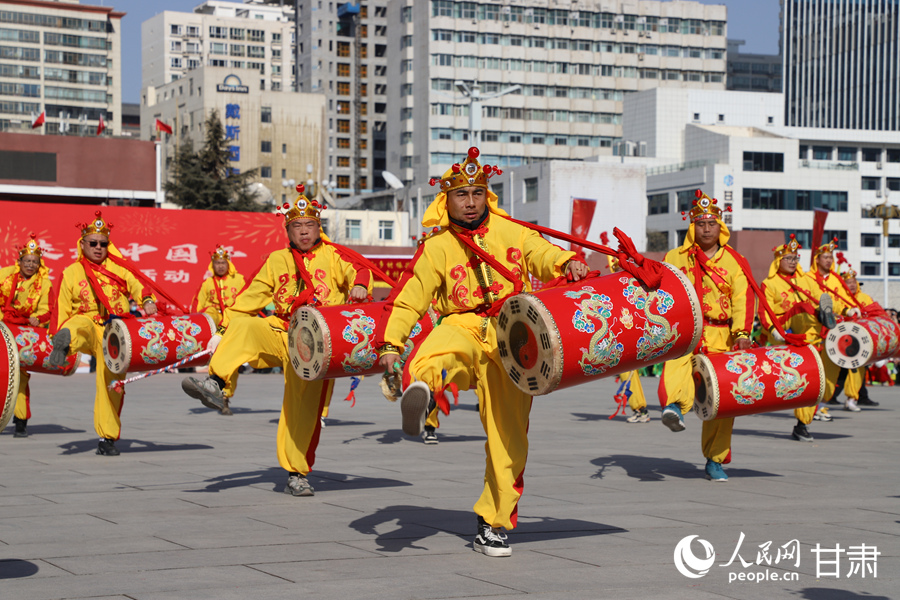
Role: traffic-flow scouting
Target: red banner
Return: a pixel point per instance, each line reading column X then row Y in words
column 170, row 246
column 582, row 215
column 818, row 230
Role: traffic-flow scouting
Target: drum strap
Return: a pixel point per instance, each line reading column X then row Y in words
column 849, row 302
column 518, row 286
column 219, row 295
column 91, row 269
column 307, row 294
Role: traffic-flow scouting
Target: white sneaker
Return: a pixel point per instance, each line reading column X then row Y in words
column 639, row 417
column 851, row 405
column 414, row 408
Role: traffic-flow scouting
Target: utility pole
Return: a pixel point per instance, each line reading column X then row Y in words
column 473, row 93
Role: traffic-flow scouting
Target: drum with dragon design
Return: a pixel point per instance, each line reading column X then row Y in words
column 34, row 349
column 9, row 374
column 327, row 342
column 597, row 327
column 735, row 384
column 145, row 344
column 859, row 342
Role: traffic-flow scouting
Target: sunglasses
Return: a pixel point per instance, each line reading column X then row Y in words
column 95, row 243
column 791, row 259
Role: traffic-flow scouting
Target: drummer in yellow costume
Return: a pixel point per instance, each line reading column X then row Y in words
column 216, row 294
column 469, row 266
column 25, row 300
column 309, row 271
column 801, row 308
column 728, row 311
column 92, row 290
column 856, row 378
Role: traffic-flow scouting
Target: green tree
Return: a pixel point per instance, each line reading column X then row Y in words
column 204, row 180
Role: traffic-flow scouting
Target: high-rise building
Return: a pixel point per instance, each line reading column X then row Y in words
column 566, row 66
column 748, row 72
column 842, row 63
column 62, row 59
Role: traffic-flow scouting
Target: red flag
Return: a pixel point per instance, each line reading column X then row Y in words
column 39, row 121
column 101, row 126
column 819, row 216
column 160, row 126
column 582, row 215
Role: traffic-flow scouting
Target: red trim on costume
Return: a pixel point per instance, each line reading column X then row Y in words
column 314, row 440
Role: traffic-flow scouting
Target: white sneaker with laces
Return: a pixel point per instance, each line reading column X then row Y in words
column 490, row 541
column 851, row 405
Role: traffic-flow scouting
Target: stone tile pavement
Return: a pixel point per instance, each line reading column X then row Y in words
column 193, row 508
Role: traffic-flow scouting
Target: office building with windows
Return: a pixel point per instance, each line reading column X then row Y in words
column 752, row 72
column 276, row 132
column 566, row 69
column 62, row 59
column 842, row 64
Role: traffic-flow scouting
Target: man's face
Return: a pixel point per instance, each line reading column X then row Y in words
column 303, row 233
column 220, row 267
column 29, row 265
column 789, row 264
column 824, row 261
column 95, row 247
column 706, row 232
column 467, row 204
column 853, row 285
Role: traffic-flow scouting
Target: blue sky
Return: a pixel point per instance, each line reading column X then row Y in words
column 754, row 21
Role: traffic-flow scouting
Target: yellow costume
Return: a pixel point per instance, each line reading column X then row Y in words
column 88, row 295
column 462, row 349
column 30, row 298
column 326, row 279
column 728, row 311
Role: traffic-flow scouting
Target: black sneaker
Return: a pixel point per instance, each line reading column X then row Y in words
column 21, row 425
column 867, row 402
column 107, row 447
column 801, row 433
column 826, row 312
column 61, row 342
column 490, row 541
column 834, row 402
column 429, row 436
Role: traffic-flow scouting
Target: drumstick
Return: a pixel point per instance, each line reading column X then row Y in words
column 119, row 386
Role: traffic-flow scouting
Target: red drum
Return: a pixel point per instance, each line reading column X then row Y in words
column 34, row 349
column 154, row 342
column 596, row 327
column 328, row 342
column 861, row 342
column 734, row 384
column 9, row 374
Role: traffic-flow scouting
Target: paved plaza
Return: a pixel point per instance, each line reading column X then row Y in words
column 193, row 508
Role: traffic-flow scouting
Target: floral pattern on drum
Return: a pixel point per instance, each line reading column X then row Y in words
column 603, row 352
column 358, row 331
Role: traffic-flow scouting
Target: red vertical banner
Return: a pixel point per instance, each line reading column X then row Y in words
column 582, row 216
column 818, row 230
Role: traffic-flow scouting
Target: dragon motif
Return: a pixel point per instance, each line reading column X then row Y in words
column 748, row 388
column 603, row 351
column 155, row 351
column 358, row 331
column 26, row 340
column 659, row 335
column 790, row 383
column 460, row 293
column 189, row 344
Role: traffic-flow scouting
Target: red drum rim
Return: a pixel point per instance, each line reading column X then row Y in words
column 850, row 345
column 696, row 310
column 117, row 337
column 309, row 343
column 12, row 388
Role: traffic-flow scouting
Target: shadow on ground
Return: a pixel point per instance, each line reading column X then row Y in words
column 394, row 436
column 645, row 468
column 413, row 524
column 833, row 594
column 238, row 410
column 816, row 432
column 46, row 428
column 15, row 569
column 322, row 481
column 129, row 446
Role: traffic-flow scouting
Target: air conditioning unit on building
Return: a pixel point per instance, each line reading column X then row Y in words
column 804, row 163
column 641, row 56
column 878, row 193
column 878, row 251
column 878, row 165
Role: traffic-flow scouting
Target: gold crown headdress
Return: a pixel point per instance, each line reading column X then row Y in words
column 842, row 260
column 220, row 252
column 703, row 207
column 790, row 248
column 301, row 208
column 31, row 248
column 469, row 173
column 98, row 226
column 826, row 248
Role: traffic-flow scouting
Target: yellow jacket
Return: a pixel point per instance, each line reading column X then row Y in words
column 76, row 297
column 278, row 281
column 31, row 297
column 725, row 301
column 441, row 270
column 782, row 297
column 833, row 285
column 228, row 287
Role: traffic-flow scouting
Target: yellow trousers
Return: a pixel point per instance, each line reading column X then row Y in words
column 87, row 338
column 676, row 386
column 265, row 341
column 637, row 401
column 23, row 397
column 455, row 346
column 832, row 371
column 231, row 382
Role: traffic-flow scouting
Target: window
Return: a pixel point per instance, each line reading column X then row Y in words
column 175, row 46
column 343, row 161
column 386, row 230
column 871, row 154
column 343, row 88
column 531, row 189
column 870, row 269
column 764, row 161
column 265, row 114
column 176, row 62
column 265, row 172
column 343, row 125
column 821, row 152
column 658, row 204
column 893, row 155
column 218, row 33
column 265, row 146
column 871, row 183
column 175, row 29
column 498, row 190
column 772, row 199
column 343, row 142
column 870, row 240
column 847, row 154
column 343, row 69
column 894, row 269
column 352, row 227
column 683, row 199
column 893, row 184
column 217, row 48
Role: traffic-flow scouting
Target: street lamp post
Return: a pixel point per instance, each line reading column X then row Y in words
column 885, row 211
column 473, row 93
